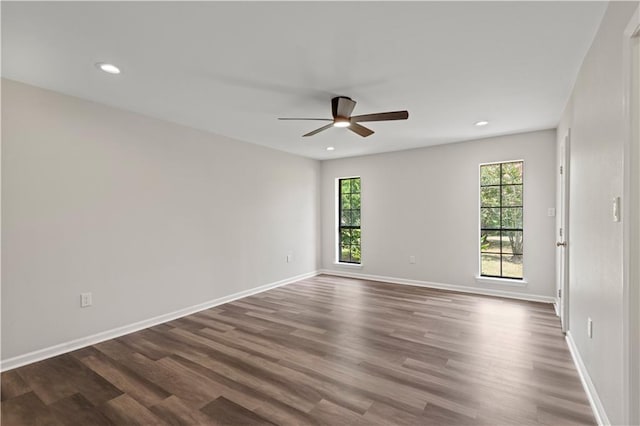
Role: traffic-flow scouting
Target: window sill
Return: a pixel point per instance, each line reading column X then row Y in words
column 502, row 281
column 349, row 265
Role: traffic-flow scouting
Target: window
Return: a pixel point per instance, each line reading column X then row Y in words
column 501, row 207
column 349, row 220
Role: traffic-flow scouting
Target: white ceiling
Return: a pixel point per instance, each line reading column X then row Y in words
column 232, row 68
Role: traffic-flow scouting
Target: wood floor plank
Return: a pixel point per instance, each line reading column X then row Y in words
column 75, row 410
column 127, row 380
column 177, row 412
column 185, row 383
column 225, row 412
column 63, row 376
column 381, row 413
column 12, row 385
column 27, row 409
column 125, row 410
column 322, row 351
column 329, row 413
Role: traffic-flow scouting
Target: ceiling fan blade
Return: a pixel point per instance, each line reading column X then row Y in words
column 342, row 106
column 323, row 128
column 381, row 116
column 361, row 130
column 314, row 119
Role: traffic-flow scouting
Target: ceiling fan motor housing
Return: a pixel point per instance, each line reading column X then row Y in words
column 339, row 107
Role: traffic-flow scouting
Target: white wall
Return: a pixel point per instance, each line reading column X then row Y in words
column 424, row 202
column 149, row 216
column 595, row 114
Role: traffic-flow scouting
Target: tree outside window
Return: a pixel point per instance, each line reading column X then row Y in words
column 349, row 220
column 501, row 220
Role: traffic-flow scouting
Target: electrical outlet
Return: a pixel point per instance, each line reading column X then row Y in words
column 85, row 300
column 551, row 212
column 412, row 259
column 589, row 328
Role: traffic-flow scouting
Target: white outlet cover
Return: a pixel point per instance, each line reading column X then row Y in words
column 412, row 259
column 85, row 300
column 551, row 212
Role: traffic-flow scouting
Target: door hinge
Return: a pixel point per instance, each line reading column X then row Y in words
column 560, row 232
column 559, row 293
column 561, row 169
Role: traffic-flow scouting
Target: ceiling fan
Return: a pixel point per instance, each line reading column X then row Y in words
column 341, row 109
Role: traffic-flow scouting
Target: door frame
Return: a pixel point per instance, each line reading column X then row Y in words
column 631, row 221
column 562, row 233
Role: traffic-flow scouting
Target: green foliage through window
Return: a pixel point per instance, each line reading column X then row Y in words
column 501, row 220
column 349, row 217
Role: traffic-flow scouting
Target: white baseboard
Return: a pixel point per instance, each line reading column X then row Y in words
column 452, row 287
column 82, row 342
column 589, row 388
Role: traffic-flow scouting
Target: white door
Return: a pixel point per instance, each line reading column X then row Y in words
column 562, row 235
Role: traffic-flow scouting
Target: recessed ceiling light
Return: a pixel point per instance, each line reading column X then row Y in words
column 330, row 148
column 110, row 68
column 481, row 123
column 341, row 122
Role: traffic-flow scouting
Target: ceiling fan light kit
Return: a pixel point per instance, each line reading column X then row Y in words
column 341, row 122
column 341, row 109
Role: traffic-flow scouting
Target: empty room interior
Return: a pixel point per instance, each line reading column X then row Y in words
column 320, row 213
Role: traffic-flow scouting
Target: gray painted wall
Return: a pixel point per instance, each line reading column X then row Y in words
column 424, row 203
column 149, row 216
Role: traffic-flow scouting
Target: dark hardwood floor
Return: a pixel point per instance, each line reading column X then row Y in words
column 325, row 350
